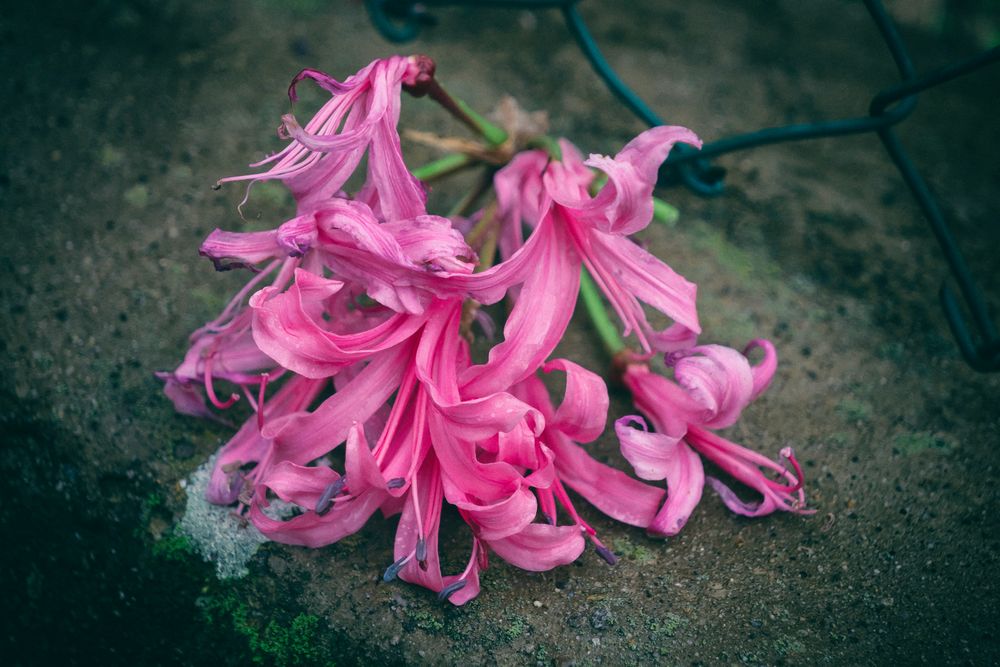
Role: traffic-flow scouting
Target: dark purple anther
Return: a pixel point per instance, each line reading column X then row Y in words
column 325, row 502
column 421, row 551
column 395, row 483
column 548, row 519
column 451, row 589
column 606, row 554
column 393, row 570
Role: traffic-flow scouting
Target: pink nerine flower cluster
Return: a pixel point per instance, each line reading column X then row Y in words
column 351, row 344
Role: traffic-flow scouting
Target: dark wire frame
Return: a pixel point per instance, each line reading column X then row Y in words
column 401, row 21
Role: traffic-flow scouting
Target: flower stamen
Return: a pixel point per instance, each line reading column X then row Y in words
column 210, row 390
column 325, row 502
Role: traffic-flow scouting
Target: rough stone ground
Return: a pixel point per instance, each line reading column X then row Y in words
column 119, row 116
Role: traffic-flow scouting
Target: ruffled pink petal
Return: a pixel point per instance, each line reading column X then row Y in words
column 301, row 485
column 489, row 482
column 359, row 464
column 495, row 520
column 651, row 454
column 430, row 241
column 232, row 250
column 763, row 372
column 540, row 547
column 667, row 405
column 521, row 198
column 538, row 319
column 638, row 276
column 624, row 205
column 436, row 365
column 313, row 530
column 583, row 413
column 685, row 481
column 518, row 446
column 305, row 436
column 362, row 114
column 718, row 378
column 289, row 327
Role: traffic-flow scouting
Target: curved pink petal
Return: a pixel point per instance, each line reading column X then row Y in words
column 495, row 520
column 651, row 454
column 186, row 395
column 583, row 413
column 298, row 235
column 359, row 464
column 419, row 524
column 540, row 547
column 304, row 436
column 362, row 114
column 232, row 250
column 249, row 445
column 624, row 205
column 639, row 276
column 673, row 338
column 289, row 327
column 537, row 321
column 313, row 530
column 436, row 365
column 685, row 481
column 521, row 198
column 718, row 378
column 301, row 485
column 400, row 194
column 431, row 242
column 666, row 404
column 763, row 372
column 566, row 180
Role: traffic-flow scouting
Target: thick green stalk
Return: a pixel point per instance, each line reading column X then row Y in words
column 664, row 212
column 442, row 166
column 606, row 329
column 493, row 135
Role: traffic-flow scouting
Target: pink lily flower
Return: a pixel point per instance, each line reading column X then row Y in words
column 712, row 384
column 488, row 456
column 533, row 189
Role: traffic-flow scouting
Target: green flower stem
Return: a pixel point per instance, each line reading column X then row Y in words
column 493, row 135
column 664, row 212
column 442, row 166
column 606, row 329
